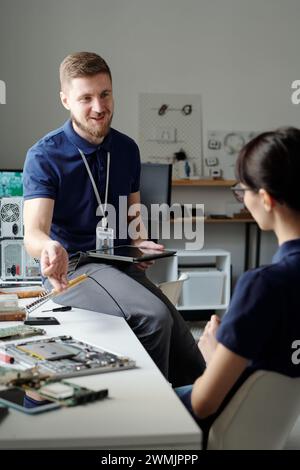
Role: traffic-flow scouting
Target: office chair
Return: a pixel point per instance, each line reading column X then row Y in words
column 260, row 415
column 172, row 289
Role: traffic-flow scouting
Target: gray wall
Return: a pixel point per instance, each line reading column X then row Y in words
column 240, row 55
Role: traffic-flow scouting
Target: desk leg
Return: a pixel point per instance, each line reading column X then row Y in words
column 247, row 246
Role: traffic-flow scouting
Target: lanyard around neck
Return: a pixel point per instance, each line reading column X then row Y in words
column 103, row 210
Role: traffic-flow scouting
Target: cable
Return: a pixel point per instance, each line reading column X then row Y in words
column 119, row 306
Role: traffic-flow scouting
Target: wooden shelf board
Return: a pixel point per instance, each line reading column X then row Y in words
column 204, row 182
column 209, row 220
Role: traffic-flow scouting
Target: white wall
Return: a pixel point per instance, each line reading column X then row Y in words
column 240, row 55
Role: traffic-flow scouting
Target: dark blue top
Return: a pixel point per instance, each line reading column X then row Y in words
column 54, row 169
column 263, row 318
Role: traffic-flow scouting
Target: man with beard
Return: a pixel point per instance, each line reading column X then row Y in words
column 70, row 177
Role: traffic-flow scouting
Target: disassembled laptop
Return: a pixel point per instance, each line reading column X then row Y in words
column 38, row 367
column 44, row 363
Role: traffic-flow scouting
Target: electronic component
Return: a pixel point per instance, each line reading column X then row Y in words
column 31, row 383
column 9, row 308
column 57, row 390
column 6, row 358
column 11, row 217
column 13, row 376
column 51, row 397
column 16, row 263
column 62, row 357
column 18, row 315
column 71, row 394
column 11, row 259
column 49, row 351
column 214, row 144
column 31, row 266
column 211, row 161
column 215, row 173
column 8, row 302
column 11, row 183
column 41, row 321
column 20, row 331
column 234, row 142
column 222, row 150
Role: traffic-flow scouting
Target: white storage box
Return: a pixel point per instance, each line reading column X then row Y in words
column 204, row 287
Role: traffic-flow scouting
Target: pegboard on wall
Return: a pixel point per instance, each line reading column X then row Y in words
column 221, row 152
column 168, row 124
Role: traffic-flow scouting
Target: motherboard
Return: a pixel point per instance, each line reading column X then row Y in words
column 63, row 356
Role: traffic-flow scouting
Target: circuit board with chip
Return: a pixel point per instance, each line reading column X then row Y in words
column 63, row 356
column 71, row 394
column 19, row 332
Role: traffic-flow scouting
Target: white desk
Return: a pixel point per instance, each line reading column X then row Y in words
column 142, row 412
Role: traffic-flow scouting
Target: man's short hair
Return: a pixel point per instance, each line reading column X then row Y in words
column 82, row 64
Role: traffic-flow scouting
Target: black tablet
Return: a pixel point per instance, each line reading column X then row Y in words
column 41, row 321
column 130, row 254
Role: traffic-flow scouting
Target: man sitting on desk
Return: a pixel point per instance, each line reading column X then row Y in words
column 69, row 174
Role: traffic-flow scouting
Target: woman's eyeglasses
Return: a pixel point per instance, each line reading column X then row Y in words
column 239, row 192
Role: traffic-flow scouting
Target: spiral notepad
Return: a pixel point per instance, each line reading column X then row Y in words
column 45, row 296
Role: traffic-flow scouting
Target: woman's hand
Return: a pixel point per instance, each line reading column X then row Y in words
column 207, row 342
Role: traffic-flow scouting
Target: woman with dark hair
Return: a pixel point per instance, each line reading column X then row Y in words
column 263, row 319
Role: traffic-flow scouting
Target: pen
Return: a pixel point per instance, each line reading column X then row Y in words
column 6, row 358
column 58, row 309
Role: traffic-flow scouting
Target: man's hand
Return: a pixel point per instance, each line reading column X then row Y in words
column 149, row 246
column 54, row 264
column 207, row 342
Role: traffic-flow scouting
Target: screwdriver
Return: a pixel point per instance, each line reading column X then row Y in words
column 58, row 309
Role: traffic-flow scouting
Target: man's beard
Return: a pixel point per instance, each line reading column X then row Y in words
column 91, row 131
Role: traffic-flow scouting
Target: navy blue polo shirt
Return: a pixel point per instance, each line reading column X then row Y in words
column 263, row 319
column 54, row 169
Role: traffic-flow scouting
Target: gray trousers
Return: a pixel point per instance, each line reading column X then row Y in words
column 126, row 291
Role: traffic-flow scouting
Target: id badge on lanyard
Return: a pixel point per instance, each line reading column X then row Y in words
column 104, row 234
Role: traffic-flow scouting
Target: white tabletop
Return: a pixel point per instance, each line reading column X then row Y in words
column 142, row 410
